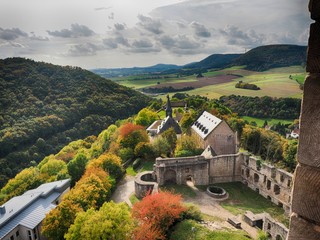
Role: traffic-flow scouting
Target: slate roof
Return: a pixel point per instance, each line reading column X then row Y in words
column 30, row 208
column 167, row 123
column 205, row 124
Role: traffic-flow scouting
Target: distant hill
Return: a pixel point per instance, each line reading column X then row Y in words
column 272, row 56
column 44, row 106
column 118, row 72
column 214, row 61
column 257, row 59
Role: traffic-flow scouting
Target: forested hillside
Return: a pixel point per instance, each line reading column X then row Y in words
column 265, row 107
column 43, row 107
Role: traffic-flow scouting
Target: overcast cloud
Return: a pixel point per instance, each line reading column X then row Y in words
column 123, row 33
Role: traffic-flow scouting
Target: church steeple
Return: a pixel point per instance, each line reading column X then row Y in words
column 168, row 107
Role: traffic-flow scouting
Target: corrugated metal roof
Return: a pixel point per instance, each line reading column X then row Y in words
column 205, row 124
column 30, row 208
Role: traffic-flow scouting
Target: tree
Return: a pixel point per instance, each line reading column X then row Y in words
column 146, row 117
column 111, row 221
column 76, row 167
column 160, row 210
column 133, row 138
column 144, row 150
column 171, row 136
column 187, row 146
column 57, row 222
column 52, row 168
column 161, row 147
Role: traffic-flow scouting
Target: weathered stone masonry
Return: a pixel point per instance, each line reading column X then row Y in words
column 272, row 183
column 305, row 217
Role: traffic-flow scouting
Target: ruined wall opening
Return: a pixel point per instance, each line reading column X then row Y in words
column 256, row 177
column 170, row 177
column 276, row 189
column 278, row 237
column 268, row 184
column 247, row 172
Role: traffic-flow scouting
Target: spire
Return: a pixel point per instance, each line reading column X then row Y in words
column 168, row 107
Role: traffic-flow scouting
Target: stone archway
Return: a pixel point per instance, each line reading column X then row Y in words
column 278, row 237
column 170, row 176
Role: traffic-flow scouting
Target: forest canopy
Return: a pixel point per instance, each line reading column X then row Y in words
column 43, row 107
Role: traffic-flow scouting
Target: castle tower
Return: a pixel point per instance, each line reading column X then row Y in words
column 168, row 108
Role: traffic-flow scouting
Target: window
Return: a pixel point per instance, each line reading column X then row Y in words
column 30, row 235
column 268, row 184
column 17, row 233
column 276, row 189
column 12, row 237
column 35, row 233
column 256, row 177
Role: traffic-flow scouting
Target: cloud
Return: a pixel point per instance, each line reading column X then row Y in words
column 75, row 32
column 119, row 26
column 11, row 34
column 236, row 36
column 102, row 8
column 112, row 43
column 144, row 46
column 180, row 44
column 150, row 24
column 38, row 38
column 200, row 30
column 83, row 49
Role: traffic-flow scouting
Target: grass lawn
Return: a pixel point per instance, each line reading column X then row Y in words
column 133, row 198
column 271, row 121
column 241, row 198
column 189, row 229
column 145, row 166
column 184, row 190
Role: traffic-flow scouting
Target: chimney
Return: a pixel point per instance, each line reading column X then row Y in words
column 2, row 210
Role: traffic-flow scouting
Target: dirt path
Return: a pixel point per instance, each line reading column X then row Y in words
column 212, row 207
column 123, row 191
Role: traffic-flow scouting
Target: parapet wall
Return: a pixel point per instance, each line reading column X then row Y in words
column 270, row 182
column 145, row 183
column 225, row 168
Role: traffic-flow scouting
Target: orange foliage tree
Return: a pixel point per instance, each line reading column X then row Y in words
column 156, row 213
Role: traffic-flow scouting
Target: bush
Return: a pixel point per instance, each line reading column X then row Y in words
column 136, row 163
column 192, row 212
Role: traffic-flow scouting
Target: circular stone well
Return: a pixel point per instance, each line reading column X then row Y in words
column 217, row 192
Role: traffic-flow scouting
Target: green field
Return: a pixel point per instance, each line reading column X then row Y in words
column 275, row 82
column 241, row 199
column 271, row 121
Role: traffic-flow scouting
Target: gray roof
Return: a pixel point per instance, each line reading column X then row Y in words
column 30, row 208
column 167, row 123
column 205, row 124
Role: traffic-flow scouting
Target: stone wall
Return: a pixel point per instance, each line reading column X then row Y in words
column 305, row 218
column 144, row 183
column 180, row 170
column 272, row 183
column 274, row 229
column 225, row 168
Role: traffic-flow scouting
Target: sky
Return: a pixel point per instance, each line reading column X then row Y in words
column 126, row 33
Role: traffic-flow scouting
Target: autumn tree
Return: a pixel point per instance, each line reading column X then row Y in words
column 187, row 146
column 111, row 221
column 146, row 117
column 161, row 146
column 144, row 150
column 158, row 212
column 91, row 191
column 58, row 221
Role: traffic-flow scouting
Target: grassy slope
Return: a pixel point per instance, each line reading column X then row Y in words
column 274, row 82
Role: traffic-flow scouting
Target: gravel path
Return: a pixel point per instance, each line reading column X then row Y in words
column 123, row 191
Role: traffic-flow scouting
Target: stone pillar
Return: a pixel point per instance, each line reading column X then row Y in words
column 305, row 217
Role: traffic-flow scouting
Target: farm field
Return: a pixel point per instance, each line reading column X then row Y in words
column 260, row 121
column 275, row 82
